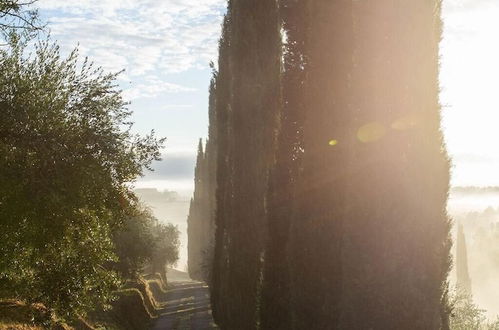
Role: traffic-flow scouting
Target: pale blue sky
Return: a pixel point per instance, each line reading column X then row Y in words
column 165, row 47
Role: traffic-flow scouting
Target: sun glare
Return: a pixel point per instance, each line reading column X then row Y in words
column 469, row 80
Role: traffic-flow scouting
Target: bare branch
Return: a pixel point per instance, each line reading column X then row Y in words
column 16, row 15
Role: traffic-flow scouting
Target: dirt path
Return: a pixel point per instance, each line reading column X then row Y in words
column 187, row 307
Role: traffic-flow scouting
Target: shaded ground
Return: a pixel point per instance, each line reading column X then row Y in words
column 187, row 306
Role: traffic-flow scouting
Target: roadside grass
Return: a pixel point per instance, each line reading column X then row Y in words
column 156, row 287
column 18, row 315
column 135, row 308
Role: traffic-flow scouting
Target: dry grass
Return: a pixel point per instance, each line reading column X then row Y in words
column 149, row 302
column 136, row 307
column 157, row 289
column 16, row 315
column 17, row 326
column 13, row 312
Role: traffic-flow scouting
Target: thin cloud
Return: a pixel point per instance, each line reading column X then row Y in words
column 144, row 37
column 172, row 34
column 177, row 106
column 174, row 167
column 151, row 88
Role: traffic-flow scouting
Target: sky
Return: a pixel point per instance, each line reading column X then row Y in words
column 165, row 47
column 470, row 90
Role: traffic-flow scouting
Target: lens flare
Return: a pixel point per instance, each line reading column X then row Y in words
column 333, row 142
column 405, row 123
column 371, row 132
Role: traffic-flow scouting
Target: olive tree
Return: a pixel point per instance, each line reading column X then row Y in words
column 68, row 157
column 19, row 16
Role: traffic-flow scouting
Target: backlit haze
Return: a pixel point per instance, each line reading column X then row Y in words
column 166, row 46
column 469, row 80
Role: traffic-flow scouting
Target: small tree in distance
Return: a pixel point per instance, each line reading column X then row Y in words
column 135, row 244
column 167, row 243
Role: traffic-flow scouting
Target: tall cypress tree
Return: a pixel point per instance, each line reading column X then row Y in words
column 200, row 229
column 256, row 53
column 395, row 246
column 317, row 225
column 276, row 298
column 463, row 276
column 358, row 235
column 197, row 212
column 211, row 156
column 201, row 219
column 221, row 122
column 247, row 105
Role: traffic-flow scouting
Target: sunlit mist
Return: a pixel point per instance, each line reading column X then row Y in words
column 469, row 80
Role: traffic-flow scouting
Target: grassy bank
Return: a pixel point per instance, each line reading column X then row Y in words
column 136, row 307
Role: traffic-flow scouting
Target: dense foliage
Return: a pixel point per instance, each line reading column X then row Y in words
column 246, row 133
column 166, row 244
column 67, row 158
column 466, row 315
column 200, row 221
column 143, row 241
column 332, row 176
column 276, row 295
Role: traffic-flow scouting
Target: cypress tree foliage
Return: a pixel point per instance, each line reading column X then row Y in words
column 276, row 298
column 247, row 107
column 315, row 251
column 354, row 207
column 220, row 123
column 463, row 276
column 198, row 219
column 256, row 54
column 395, row 246
column 201, row 222
column 211, row 178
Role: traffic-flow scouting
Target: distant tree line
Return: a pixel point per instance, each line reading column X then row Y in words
column 331, row 171
column 475, row 190
column 152, row 195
